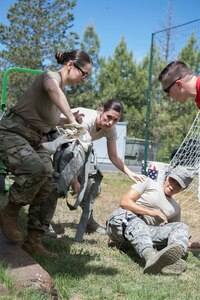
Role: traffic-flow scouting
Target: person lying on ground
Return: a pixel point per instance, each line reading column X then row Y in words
column 148, row 219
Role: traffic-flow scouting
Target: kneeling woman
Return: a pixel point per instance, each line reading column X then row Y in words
column 100, row 124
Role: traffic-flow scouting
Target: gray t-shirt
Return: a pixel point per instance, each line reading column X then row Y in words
column 89, row 123
column 153, row 196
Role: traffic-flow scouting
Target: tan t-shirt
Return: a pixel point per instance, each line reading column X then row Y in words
column 35, row 105
column 153, row 196
column 89, row 123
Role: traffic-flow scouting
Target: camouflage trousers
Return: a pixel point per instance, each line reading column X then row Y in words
column 125, row 226
column 22, row 153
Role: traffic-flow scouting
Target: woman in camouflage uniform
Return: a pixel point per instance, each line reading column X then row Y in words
column 21, row 132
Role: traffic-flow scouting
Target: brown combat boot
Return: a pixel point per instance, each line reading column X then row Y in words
column 33, row 244
column 9, row 222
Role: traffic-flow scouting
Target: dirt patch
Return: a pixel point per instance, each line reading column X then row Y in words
column 24, row 270
column 3, row 290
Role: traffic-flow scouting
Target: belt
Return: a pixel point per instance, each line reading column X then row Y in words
column 22, row 121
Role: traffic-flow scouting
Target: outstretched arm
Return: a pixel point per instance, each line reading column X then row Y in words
column 116, row 160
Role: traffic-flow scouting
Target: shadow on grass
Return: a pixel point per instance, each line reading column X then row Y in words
column 77, row 262
column 60, row 227
column 129, row 251
column 74, row 261
column 60, row 230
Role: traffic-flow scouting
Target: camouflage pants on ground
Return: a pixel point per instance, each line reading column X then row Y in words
column 30, row 163
column 125, row 226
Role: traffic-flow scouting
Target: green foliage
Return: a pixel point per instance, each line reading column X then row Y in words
column 91, row 44
column 36, row 30
column 117, row 75
column 191, row 54
column 120, row 77
column 85, row 95
column 5, row 278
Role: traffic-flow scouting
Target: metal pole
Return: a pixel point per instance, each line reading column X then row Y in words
column 148, row 103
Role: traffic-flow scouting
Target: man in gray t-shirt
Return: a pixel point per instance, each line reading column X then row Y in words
column 149, row 217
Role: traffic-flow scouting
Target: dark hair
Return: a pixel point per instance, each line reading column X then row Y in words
column 174, row 70
column 114, row 104
column 80, row 57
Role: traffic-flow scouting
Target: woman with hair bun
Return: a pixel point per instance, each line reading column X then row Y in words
column 100, row 124
column 21, row 132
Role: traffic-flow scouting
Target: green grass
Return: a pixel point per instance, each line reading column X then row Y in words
column 5, row 278
column 93, row 271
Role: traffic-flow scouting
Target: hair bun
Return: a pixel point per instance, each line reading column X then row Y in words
column 59, row 57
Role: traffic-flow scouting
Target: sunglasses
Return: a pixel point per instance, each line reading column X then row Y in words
column 167, row 90
column 84, row 74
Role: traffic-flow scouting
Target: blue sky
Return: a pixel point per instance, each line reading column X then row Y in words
column 133, row 19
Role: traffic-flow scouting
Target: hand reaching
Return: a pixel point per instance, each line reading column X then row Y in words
column 78, row 116
column 137, row 177
column 78, row 119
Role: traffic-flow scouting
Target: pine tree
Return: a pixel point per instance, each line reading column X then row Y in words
column 91, row 44
column 86, row 94
column 120, row 77
column 191, row 54
column 36, row 30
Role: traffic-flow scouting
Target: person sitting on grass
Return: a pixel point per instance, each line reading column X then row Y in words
column 149, row 219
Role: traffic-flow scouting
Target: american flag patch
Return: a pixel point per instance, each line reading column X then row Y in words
column 153, row 174
column 155, row 170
